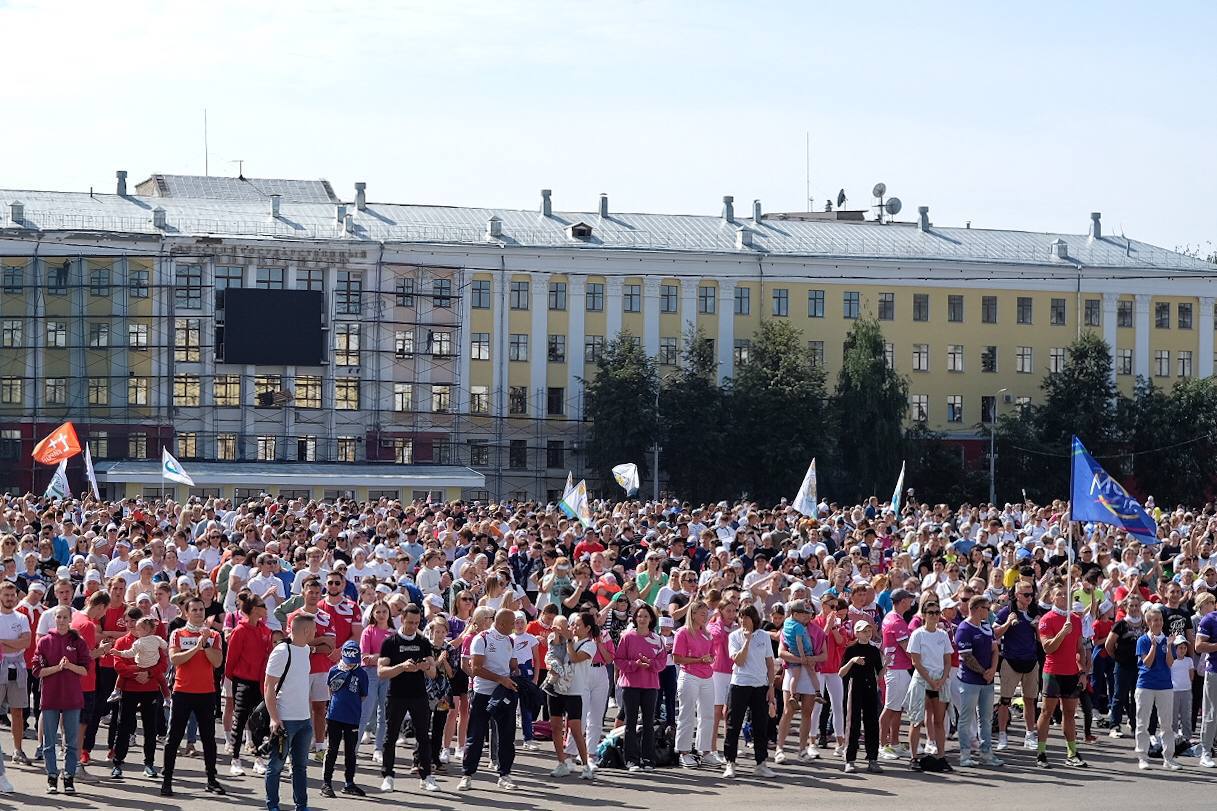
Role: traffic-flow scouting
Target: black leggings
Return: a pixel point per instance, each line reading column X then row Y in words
column 740, row 700
column 246, row 696
column 348, row 736
column 863, row 714
column 439, row 719
column 107, row 677
column 638, row 699
column 148, row 705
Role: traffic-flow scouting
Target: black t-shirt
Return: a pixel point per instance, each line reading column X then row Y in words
column 1176, row 621
column 866, row 676
column 1127, row 635
column 398, row 649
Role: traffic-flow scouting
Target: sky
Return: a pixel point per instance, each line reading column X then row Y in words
column 1022, row 115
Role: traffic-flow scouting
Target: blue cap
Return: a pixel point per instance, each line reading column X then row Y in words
column 351, row 653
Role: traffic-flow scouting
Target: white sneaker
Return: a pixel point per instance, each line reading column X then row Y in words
column 5, row 786
column 989, row 759
column 1207, row 762
column 779, row 757
column 1031, row 741
column 850, row 768
column 968, row 760
column 443, row 755
column 929, row 747
column 712, row 759
column 428, row 784
column 634, row 767
column 888, row 753
column 588, row 773
column 839, row 751
column 1002, row 740
column 729, row 771
column 804, row 757
column 378, row 756
column 367, row 738
column 687, row 761
column 813, row 752
column 507, row 783
column 401, row 741
column 764, row 771
column 1172, row 764
column 386, row 784
column 561, row 770
column 235, row 769
column 531, row 746
column 902, row 750
column 465, row 784
column 1115, row 733
column 259, row 767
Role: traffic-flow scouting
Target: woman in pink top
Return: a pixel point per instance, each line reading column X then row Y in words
column 838, row 638
column 370, row 640
column 695, row 688
column 639, row 658
column 720, row 629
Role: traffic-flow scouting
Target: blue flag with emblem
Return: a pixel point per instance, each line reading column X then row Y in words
column 1096, row 496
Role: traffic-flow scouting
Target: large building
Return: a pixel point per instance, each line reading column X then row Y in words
column 444, row 348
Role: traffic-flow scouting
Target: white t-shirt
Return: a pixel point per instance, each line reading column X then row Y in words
column 1181, row 673
column 753, row 672
column 499, row 653
column 523, row 645
column 293, row 695
column 581, row 671
column 13, row 625
column 932, row 645
column 270, row 589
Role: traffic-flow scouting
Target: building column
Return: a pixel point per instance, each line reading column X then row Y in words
column 726, row 329
column 538, row 357
column 464, row 284
column 1110, row 306
column 498, row 351
column 612, row 307
column 1204, row 332
column 650, row 316
column 577, row 307
column 688, row 307
column 1141, row 328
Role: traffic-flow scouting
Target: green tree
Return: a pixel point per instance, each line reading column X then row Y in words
column 936, row 470
column 620, row 402
column 871, row 402
column 1155, row 423
column 693, row 424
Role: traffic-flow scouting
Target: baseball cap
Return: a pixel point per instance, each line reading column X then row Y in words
column 350, row 653
column 860, row 625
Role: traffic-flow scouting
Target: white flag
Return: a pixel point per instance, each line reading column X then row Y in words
column 575, row 505
column 627, row 476
column 171, row 469
column 89, row 472
column 896, row 496
column 805, row 500
column 58, row 486
column 570, row 483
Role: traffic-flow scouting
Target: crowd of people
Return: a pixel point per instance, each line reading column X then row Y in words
column 267, row 635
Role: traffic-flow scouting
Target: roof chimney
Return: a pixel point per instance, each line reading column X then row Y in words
column 728, row 208
column 17, row 209
column 923, row 218
column 547, row 207
column 342, row 212
column 158, row 218
column 274, row 205
column 348, row 224
column 122, row 182
column 603, row 204
column 494, row 228
column 361, row 196
column 1059, row 248
column 756, row 211
column 1096, row 226
column 743, row 238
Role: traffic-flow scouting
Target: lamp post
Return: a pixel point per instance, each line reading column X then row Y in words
column 993, row 449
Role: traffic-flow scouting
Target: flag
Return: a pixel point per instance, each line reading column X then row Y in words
column 1096, row 496
column 60, row 444
column 171, row 469
column 805, row 500
column 58, row 486
column 90, row 474
column 898, row 495
column 575, row 505
column 570, row 483
column 627, row 476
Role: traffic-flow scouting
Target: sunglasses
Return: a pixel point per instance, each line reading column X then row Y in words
column 932, row 611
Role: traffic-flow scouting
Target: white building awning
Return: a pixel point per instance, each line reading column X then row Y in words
column 287, row 474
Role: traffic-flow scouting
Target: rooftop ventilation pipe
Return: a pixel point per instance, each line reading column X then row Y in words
column 361, row 196
column 728, row 208
column 923, row 218
column 122, row 182
column 547, row 206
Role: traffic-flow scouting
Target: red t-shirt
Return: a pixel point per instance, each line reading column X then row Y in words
column 110, row 622
column 87, row 629
column 197, row 674
column 1064, row 660
column 318, row 662
column 587, row 548
column 342, row 617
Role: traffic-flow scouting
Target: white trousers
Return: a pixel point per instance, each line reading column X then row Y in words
column 694, row 702
column 595, row 702
column 831, row 684
column 1164, row 700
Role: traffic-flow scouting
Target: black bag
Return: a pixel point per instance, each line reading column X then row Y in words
column 259, row 720
column 933, row 763
column 666, row 756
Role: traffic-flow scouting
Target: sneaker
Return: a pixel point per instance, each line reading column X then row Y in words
column 259, row 767
column 83, row 773
column 1115, row 732
column 327, row 790
column 506, row 783
column 1041, row 760
column 588, row 773
column 1091, row 739
column 561, row 770
column 428, row 784
column 989, row 759
column 191, row 751
column 465, row 784
column 1143, row 764
column 967, row 761
column 687, row 761
column 729, row 771
column 633, row 767
column 52, row 785
column 69, row 785
column 888, row 753
column 849, row 768
column 378, row 757
column 353, row 790
column 150, row 771
column 712, row 759
column 5, row 786
column 873, row 767
column 838, row 752
column 763, row 770
column 1002, row 740
column 1076, row 762
column 213, row 787
column 19, row 757
column 531, row 746
column 85, row 758
column 1032, row 741
column 116, row 773
column 813, row 752
column 459, row 753
column 902, row 750
column 365, row 739
column 1207, row 762
column 444, row 755
column 236, row 769
column 779, row 757
column 805, row 757
column 386, row 784
column 1172, row 764
column 318, row 755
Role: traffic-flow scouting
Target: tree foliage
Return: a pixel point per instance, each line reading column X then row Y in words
column 693, row 425
column 620, row 402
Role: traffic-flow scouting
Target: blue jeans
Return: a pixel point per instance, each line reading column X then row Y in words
column 1123, row 699
column 50, row 740
column 526, row 718
column 375, row 702
column 973, row 699
column 1102, row 680
column 299, row 737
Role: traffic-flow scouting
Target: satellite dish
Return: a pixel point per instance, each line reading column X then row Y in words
column 893, row 206
column 879, row 190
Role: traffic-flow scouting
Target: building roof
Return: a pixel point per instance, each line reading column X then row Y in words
column 258, row 474
column 231, row 207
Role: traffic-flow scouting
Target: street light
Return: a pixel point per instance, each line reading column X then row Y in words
column 993, row 448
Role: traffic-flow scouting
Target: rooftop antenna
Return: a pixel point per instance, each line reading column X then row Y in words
column 240, row 168
column 206, row 152
column 891, row 207
column 807, row 148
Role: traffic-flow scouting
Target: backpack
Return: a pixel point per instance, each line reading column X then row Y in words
column 259, row 719
column 666, row 755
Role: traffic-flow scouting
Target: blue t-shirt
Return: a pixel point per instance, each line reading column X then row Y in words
column 1207, row 630
column 1157, row 677
column 978, row 642
column 1018, row 642
column 798, row 641
column 347, row 691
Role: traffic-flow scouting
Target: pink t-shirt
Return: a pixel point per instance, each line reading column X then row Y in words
column 895, row 631
column 689, row 643
column 718, row 642
column 818, row 640
column 373, row 637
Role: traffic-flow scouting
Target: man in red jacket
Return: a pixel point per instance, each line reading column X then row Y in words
column 141, row 689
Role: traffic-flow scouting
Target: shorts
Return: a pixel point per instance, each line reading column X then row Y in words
column 797, row 680
column 319, row 687
column 1062, row 686
column 918, row 694
column 1010, row 679
column 722, row 686
column 897, row 683
column 15, row 694
column 460, row 683
column 565, row 706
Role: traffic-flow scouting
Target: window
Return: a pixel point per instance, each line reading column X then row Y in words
column 919, row 407
column 306, row 451
column 1124, row 314
column 593, row 347
column 1185, row 363
column 988, row 407
column 55, row 390
column 308, row 391
column 889, row 356
column 555, row 349
column 10, row 390
column 313, row 279
column 668, row 297
column 707, row 299
column 1056, row 359
column 137, row 446
column 227, row 390
column 98, row 391
column 815, row 303
column 188, row 293
column 517, row 400
column 517, row 454
column 403, row 291
column 555, row 454
column 988, row 309
column 441, row 293
column 1056, row 312
column 137, row 336
column 1162, row 363
column 667, row 352
column 1093, row 312
column 954, row 408
column 743, row 301
column 187, row 445
column 266, row 449
column 955, row 309
column 816, row 351
column 99, row 282
column 99, row 335
column 186, row 391
column 479, row 453
column 348, row 293
column 56, row 334
column 403, row 397
column 555, row 401
column 187, row 340
column 988, row 359
column 403, row 343
column 346, row 394
column 1124, row 362
column 226, row 447
column 1022, row 401
column 955, row 358
column 229, row 277
column 346, row 447
column 137, row 283
column 1185, row 315
column 557, row 295
column 479, row 346
column 57, row 278
column 480, row 294
column 346, row 343
column 921, row 357
column 479, row 399
column 781, row 302
column 887, row 306
column 631, row 298
column 1024, row 360
column 10, row 333
column 440, row 342
column 13, row 279
column 517, row 347
column 1023, row 311
column 441, row 399
column 743, row 348
column 921, row 306
column 269, row 279
column 851, row 304
column 99, row 444
column 266, row 384
column 519, row 295
column 1162, row 315
column 137, row 391
column 594, row 297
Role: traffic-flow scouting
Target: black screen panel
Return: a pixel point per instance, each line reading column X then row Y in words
column 273, row 327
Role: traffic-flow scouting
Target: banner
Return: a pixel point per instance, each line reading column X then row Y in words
column 570, row 483
column 1096, row 496
column 627, row 476
column 90, row 474
column 805, row 500
column 171, row 469
column 575, row 505
column 898, row 496
column 59, row 445
column 58, row 486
